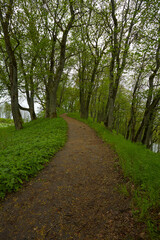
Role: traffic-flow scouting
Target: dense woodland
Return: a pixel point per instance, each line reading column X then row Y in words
column 101, row 58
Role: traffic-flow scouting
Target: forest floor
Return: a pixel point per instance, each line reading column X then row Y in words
column 76, row 196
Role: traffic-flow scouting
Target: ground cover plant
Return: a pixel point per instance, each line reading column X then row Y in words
column 23, row 153
column 5, row 122
column 142, row 167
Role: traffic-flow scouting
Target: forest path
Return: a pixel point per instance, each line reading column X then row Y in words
column 74, row 197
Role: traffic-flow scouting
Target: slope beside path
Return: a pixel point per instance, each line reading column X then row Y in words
column 75, row 197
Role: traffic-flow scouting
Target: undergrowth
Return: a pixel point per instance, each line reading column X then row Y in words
column 142, row 167
column 23, row 153
column 5, row 122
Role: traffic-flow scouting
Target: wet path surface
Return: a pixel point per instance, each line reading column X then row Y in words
column 74, row 197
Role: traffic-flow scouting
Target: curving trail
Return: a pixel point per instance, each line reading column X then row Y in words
column 74, row 197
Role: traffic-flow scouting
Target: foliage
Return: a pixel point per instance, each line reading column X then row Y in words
column 139, row 164
column 23, row 153
column 5, row 122
column 87, row 56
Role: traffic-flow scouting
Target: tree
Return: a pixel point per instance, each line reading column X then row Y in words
column 144, row 133
column 61, row 27
column 138, row 75
column 28, row 33
column 6, row 12
column 121, row 29
column 91, row 45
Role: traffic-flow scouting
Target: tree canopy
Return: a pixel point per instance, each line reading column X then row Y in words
column 101, row 58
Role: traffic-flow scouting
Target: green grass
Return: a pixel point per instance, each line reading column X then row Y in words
column 142, row 167
column 23, row 153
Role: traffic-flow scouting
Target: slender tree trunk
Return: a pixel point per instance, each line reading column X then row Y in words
column 83, row 109
column 53, row 102
column 61, row 95
column 85, row 97
column 147, row 137
column 14, row 96
column 51, row 98
column 91, row 86
column 101, row 110
column 31, row 108
column 31, row 92
column 93, row 109
column 109, row 115
column 84, row 112
column 47, row 103
column 82, row 92
column 30, row 99
column 132, row 121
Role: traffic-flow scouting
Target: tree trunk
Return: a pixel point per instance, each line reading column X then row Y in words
column 47, row 103
column 51, row 98
column 61, row 95
column 85, row 96
column 30, row 101
column 109, row 115
column 53, row 102
column 31, row 109
column 83, row 109
column 147, row 137
column 84, row 112
column 14, row 97
column 132, row 122
column 146, row 120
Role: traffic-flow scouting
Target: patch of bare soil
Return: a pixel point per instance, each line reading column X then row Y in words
column 74, row 197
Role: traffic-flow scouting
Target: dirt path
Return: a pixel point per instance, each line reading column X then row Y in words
column 74, row 197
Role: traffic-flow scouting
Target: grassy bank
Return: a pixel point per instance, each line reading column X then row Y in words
column 23, row 153
column 142, row 167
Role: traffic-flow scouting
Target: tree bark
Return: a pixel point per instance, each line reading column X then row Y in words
column 53, row 102
column 47, row 108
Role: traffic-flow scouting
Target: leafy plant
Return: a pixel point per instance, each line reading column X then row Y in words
column 5, row 122
column 23, row 153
